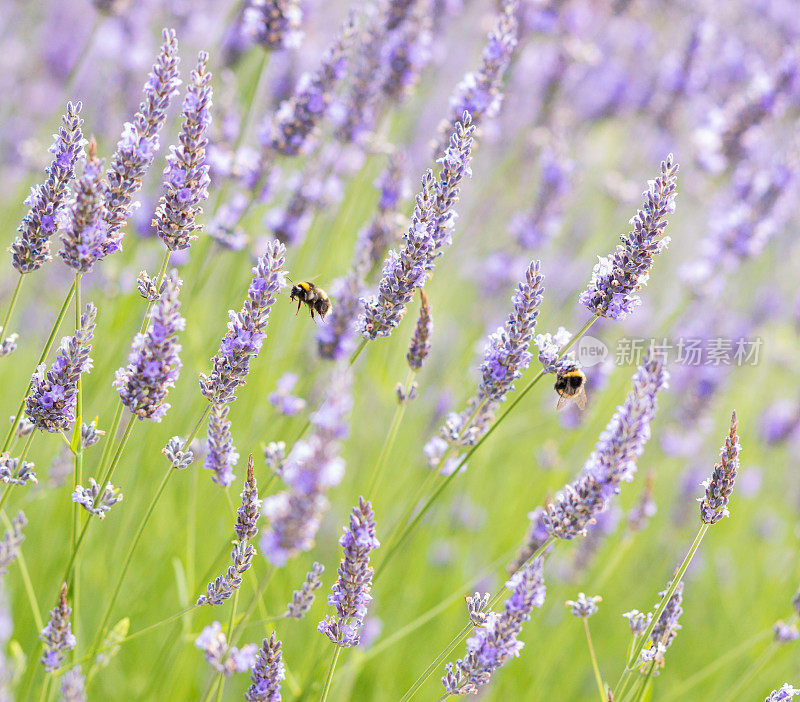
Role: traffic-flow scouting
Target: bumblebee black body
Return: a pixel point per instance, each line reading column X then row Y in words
column 316, row 299
column 571, row 386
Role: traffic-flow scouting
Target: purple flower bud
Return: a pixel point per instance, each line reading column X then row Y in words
column 584, row 607
column 420, row 345
column 12, row 473
column 90, row 434
column 785, row 633
column 57, row 635
column 268, row 672
column 153, row 363
column 86, row 498
column 247, row 515
column 286, row 403
column 351, row 591
column 221, row 657
column 11, row 541
column 303, row 598
column 786, row 692
column 666, row 628
column 73, row 686
column 714, row 506
column 178, row 458
column 222, row 455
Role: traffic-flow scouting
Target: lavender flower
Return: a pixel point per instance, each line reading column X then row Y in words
column 83, row 235
column 90, row 434
column 275, row 456
column 246, row 330
column 286, row 403
column 31, row 249
column 550, row 349
column 666, row 628
column 480, row 92
column 57, row 635
column 476, row 606
column 268, row 672
column 405, row 52
column 73, row 686
column 785, row 693
column 11, row 541
column 420, row 345
column 8, row 344
column 139, row 143
column 497, row 639
column 638, row 621
column 534, row 540
column 303, row 598
column 86, row 497
column 584, row 607
column 222, row 455
column 54, row 395
column 714, row 506
column 351, row 591
column 176, row 455
column 14, row 473
column 186, row 178
column 312, row 468
column 290, row 130
column 785, row 633
column 618, row 276
column 153, row 363
column 223, row 658
column 223, row 586
column 273, row 24
column 613, row 460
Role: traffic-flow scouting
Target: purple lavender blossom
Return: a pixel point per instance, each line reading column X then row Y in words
column 73, row 686
column 31, row 249
column 618, row 276
column 275, row 456
column 303, row 598
column 480, row 92
column 246, row 330
column 86, row 497
column 139, row 143
column 785, row 633
column 290, row 130
column 312, row 468
column 550, row 346
column 8, row 344
column 176, row 455
column 476, row 607
column 497, row 639
column 796, row 602
column 153, row 363
column 186, row 178
column 222, row 455
column 420, row 345
column 534, row 540
column 14, row 473
column 147, row 287
column 11, row 541
column 351, row 591
column 714, row 505
column 57, row 636
column 786, row 692
column 638, row 621
column 613, row 460
column 282, row 399
column 221, row 657
column 584, row 607
column 405, row 52
column 54, row 394
column 85, row 230
column 665, row 630
column 223, row 586
column 273, row 24
column 268, row 672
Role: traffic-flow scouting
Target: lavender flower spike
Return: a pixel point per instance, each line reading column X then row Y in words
column 153, row 363
column 584, row 607
column 785, row 693
column 714, row 505
column 246, row 330
column 11, row 541
column 186, row 178
column 351, row 591
column 31, row 249
column 57, row 636
column 617, row 277
column 273, row 24
column 613, row 460
column 268, row 672
column 54, row 395
column 14, row 473
column 221, row 657
column 496, row 640
column 222, row 455
column 86, row 497
column 666, row 628
column 85, row 231
column 420, row 345
column 139, row 143
column 73, row 686
column 303, row 598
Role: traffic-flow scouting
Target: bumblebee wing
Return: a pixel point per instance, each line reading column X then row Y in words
column 563, row 401
column 580, row 399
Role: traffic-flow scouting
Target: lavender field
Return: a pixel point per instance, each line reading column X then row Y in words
column 400, row 350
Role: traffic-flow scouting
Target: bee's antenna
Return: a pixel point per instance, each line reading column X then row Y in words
column 289, row 278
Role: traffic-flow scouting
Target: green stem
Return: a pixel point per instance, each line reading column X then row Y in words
column 642, row 640
column 45, row 693
column 74, row 585
column 329, row 677
column 26, row 579
column 45, row 351
column 361, row 346
column 388, row 443
column 11, row 306
column 752, row 671
column 162, row 272
column 221, row 684
column 595, row 667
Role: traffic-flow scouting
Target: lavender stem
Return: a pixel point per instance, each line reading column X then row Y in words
column 159, row 280
column 597, row 676
column 329, row 677
column 10, row 310
column 45, row 352
column 78, row 456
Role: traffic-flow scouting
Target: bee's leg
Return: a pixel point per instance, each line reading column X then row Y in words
column 311, row 310
column 299, row 302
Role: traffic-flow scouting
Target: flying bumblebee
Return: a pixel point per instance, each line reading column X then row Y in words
column 315, row 298
column 570, row 386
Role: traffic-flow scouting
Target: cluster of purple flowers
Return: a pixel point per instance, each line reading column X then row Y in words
column 31, row 249
column 154, row 363
column 303, row 598
column 420, row 345
column 268, row 672
column 14, row 472
column 584, row 607
column 613, row 460
column 88, row 498
column 666, row 628
column 11, row 541
column 784, row 694
column 714, row 505
column 273, row 24
column 351, row 591
column 497, row 638
column 54, row 394
column 222, row 456
column 186, row 178
column 224, row 659
column 57, row 635
column 618, row 276
column 282, row 399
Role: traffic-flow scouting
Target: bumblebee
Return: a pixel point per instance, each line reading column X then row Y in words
column 316, row 299
column 570, row 386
